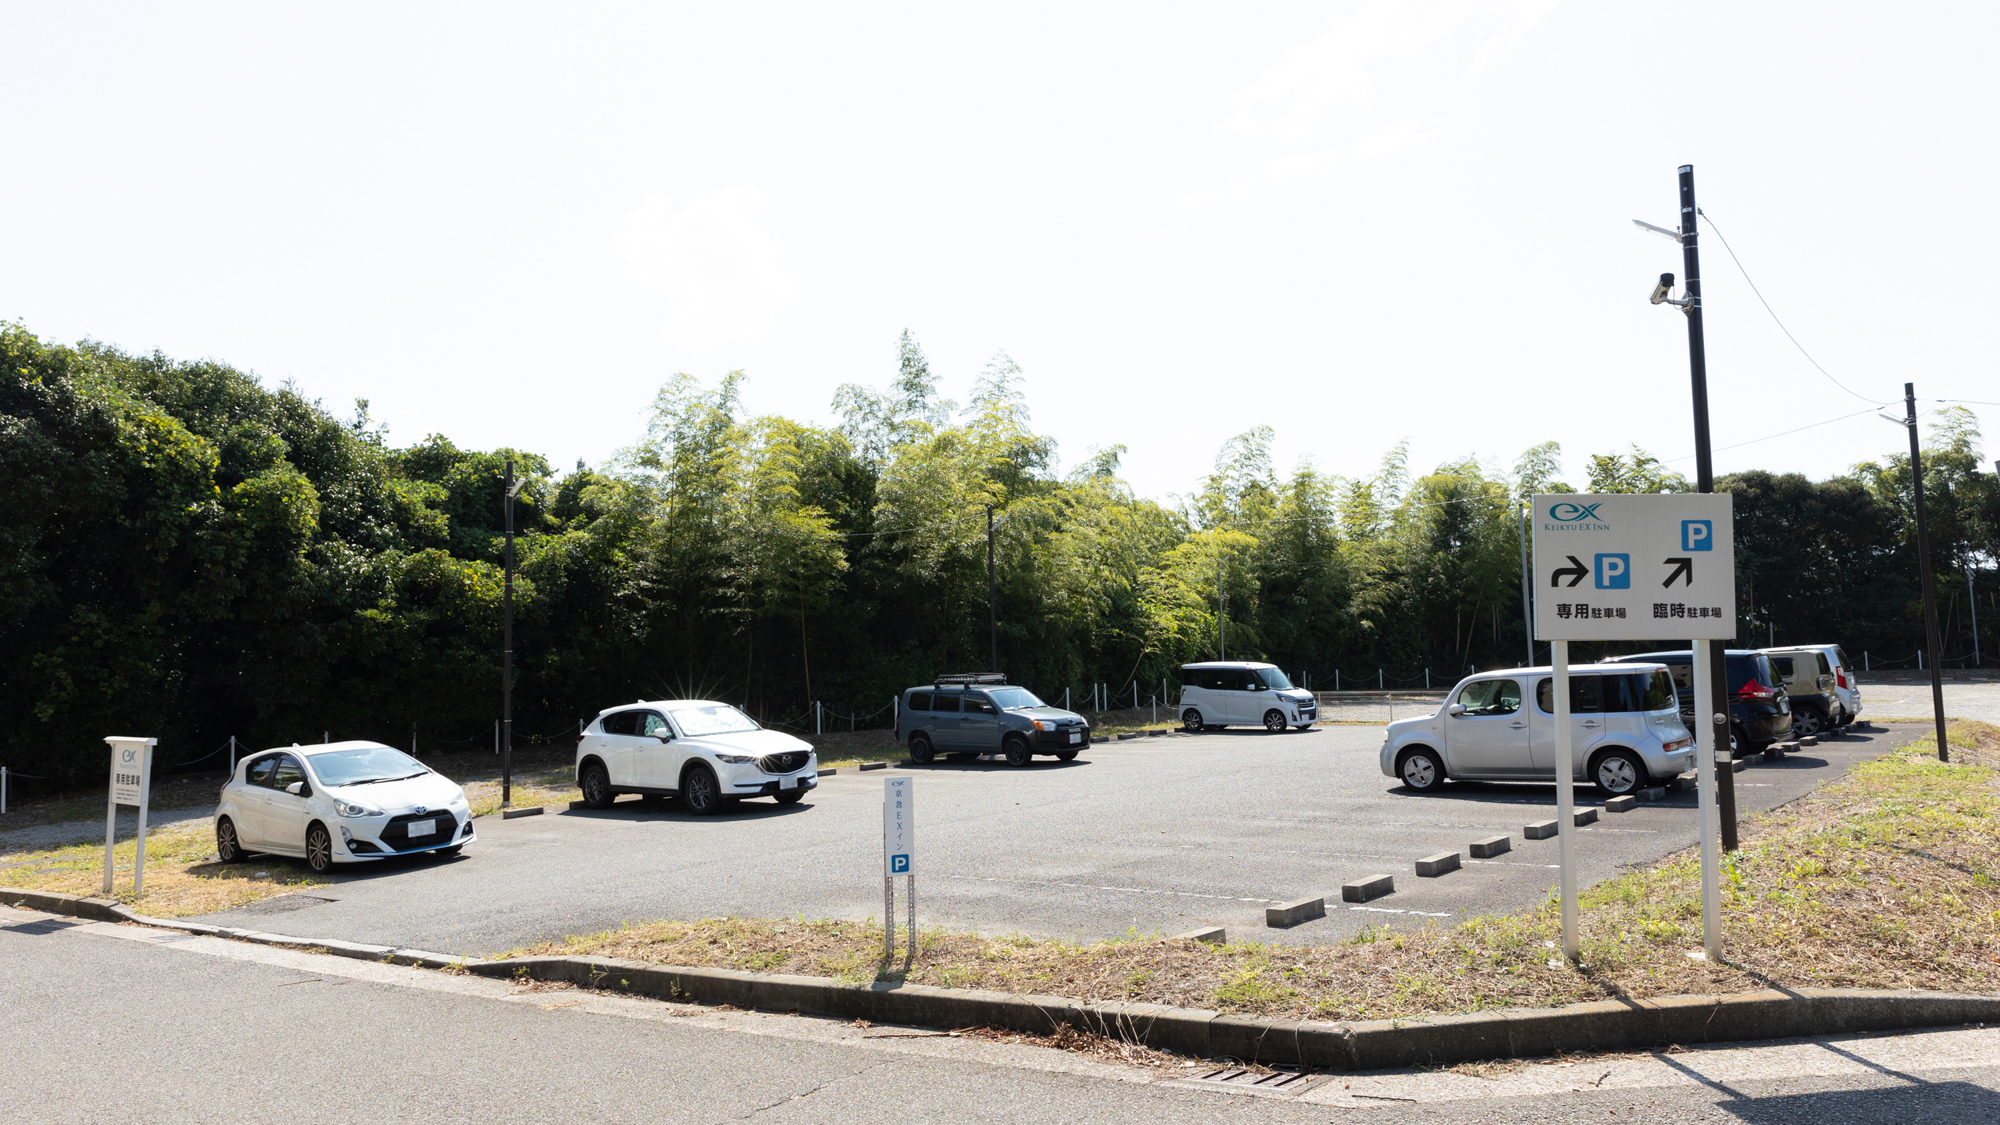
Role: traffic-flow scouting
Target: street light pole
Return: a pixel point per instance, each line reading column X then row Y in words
column 1704, row 466
column 507, row 646
column 1924, row 568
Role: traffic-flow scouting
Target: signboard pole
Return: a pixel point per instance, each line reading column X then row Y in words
column 1706, row 733
column 1565, row 800
column 110, row 822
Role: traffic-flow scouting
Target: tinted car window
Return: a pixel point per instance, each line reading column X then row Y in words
column 1783, row 666
column 978, row 704
column 945, row 701
column 1585, row 695
column 287, row 772
column 1749, row 669
column 1825, row 669
column 620, row 722
column 920, row 701
column 260, row 770
column 1639, row 691
column 1491, row 697
column 1216, row 679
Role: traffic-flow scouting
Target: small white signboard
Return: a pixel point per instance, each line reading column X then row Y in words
column 899, row 827
column 131, row 769
column 1629, row 567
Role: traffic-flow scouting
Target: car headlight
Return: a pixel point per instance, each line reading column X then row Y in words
column 733, row 759
column 349, row 808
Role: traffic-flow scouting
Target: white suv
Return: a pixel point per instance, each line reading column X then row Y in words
column 1221, row 692
column 1625, row 730
column 699, row 750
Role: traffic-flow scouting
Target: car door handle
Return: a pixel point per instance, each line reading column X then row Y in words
column 1518, row 725
column 1592, row 723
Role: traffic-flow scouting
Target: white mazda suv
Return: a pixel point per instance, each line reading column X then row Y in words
column 704, row 752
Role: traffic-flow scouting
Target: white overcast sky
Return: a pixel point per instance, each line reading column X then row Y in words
column 1356, row 222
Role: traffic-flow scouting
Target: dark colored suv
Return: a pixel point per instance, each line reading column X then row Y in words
column 969, row 714
column 1759, row 711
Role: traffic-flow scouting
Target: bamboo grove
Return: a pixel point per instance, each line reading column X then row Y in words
column 193, row 555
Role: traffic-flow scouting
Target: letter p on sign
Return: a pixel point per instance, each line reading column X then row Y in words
column 1614, row 572
column 1697, row 535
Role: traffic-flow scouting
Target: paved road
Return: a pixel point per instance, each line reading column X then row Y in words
column 126, row 1024
column 1156, row 835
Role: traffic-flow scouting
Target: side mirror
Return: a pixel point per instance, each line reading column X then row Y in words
column 664, row 736
column 298, row 789
column 1455, row 709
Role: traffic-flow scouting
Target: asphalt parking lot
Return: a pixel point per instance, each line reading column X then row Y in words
column 1153, row 835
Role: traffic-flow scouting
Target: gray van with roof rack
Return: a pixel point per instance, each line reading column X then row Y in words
column 972, row 713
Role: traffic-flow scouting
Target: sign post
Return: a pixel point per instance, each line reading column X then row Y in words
column 899, row 857
column 1625, row 567
column 131, row 784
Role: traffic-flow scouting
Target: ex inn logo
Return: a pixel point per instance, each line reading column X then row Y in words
column 1575, row 517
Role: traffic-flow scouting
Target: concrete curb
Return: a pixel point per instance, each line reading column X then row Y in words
column 1597, row 1026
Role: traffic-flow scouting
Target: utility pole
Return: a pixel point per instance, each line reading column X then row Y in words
column 507, row 645
column 1924, row 568
column 1973, row 598
column 1527, row 604
column 1704, row 462
column 992, row 606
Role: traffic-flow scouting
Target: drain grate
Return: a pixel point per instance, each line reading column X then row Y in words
column 1286, row 1082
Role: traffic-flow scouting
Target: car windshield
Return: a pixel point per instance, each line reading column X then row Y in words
column 1274, row 680
column 713, row 718
column 1013, row 698
column 362, row 765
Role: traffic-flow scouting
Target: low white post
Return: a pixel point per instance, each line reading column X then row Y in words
column 1381, row 681
column 1427, row 679
column 232, row 753
column 819, row 714
column 3, row 790
column 1336, row 679
column 1920, row 660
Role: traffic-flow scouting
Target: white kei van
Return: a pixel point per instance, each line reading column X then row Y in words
column 1227, row 692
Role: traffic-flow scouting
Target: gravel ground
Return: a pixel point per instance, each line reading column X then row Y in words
column 68, row 832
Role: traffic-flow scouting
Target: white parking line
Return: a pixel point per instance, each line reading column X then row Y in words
column 1096, row 887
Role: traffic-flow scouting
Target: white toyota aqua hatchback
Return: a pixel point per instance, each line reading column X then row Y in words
column 342, row 802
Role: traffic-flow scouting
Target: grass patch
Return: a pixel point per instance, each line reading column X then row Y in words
column 1888, row 878
column 182, row 877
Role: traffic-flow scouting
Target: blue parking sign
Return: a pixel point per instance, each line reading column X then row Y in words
column 1697, row 535
column 1614, row 572
column 899, row 864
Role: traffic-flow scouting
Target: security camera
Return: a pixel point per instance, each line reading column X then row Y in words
column 1664, row 289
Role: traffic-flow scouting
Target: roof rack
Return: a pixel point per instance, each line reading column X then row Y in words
column 971, row 678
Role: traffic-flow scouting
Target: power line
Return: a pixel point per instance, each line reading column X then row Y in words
column 1780, row 323
column 1768, row 437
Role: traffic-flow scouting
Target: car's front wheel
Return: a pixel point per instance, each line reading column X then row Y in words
column 921, row 750
column 596, row 785
column 447, row 853
column 1274, row 721
column 228, row 848
column 791, row 796
column 1421, row 770
column 319, row 849
column 700, row 792
column 1618, row 772
column 1065, row 755
column 1018, row 753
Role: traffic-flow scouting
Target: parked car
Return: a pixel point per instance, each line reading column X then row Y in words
column 1626, row 731
column 706, row 753
column 975, row 713
column 1807, row 678
column 1219, row 693
column 341, row 802
column 1843, row 698
column 1759, row 711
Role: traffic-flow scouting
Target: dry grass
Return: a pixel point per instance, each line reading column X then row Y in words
column 182, row 877
column 1885, row 879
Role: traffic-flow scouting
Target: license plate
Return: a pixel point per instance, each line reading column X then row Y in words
column 421, row 828
column 1075, row 738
